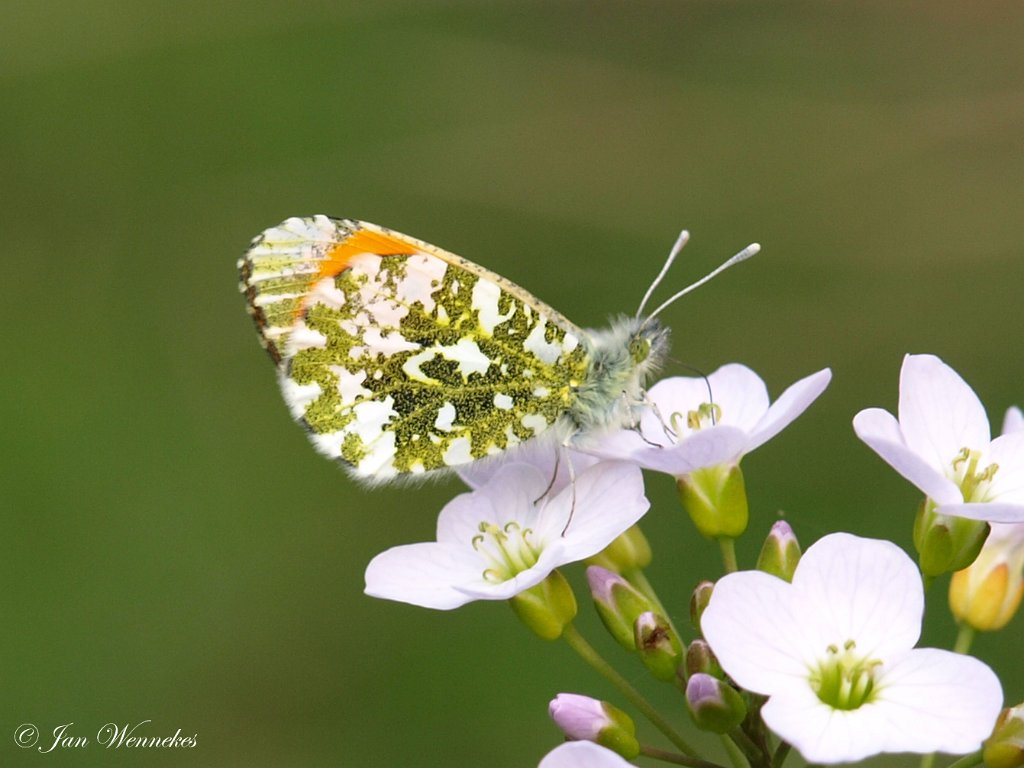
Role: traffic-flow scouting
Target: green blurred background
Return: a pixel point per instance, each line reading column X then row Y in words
column 172, row 548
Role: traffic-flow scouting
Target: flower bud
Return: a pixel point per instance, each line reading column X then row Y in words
column 701, row 660
column 699, row 601
column 618, row 604
column 548, row 607
column 946, row 543
column 1005, row 747
column 715, row 706
column 630, row 550
column 585, row 719
column 715, row 498
column 658, row 646
column 987, row 593
column 780, row 553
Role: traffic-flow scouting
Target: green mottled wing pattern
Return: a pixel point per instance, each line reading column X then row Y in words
column 400, row 357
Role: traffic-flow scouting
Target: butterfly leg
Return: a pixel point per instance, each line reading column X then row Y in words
column 572, row 482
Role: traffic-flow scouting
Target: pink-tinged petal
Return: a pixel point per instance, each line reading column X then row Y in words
column 546, row 454
column 706, row 448
column 989, row 511
column 1013, row 421
column 583, row 754
column 422, row 574
column 506, row 497
column 1007, row 452
column 939, row 413
column 790, row 404
column 609, row 498
column 677, row 395
column 620, row 444
column 882, row 433
column 938, row 701
column 868, row 590
column 757, row 632
column 459, row 520
column 741, row 394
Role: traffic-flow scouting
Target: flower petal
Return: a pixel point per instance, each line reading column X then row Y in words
column 422, row 574
column 790, row 404
column 929, row 701
column 820, row 733
column 547, row 455
column 867, row 590
column 756, row 631
column 505, row 497
column 939, row 413
column 1007, row 452
column 938, row 701
column 989, row 511
column 882, row 433
column 1013, row 421
column 707, row 448
column 582, row 754
column 740, row 393
column 609, row 498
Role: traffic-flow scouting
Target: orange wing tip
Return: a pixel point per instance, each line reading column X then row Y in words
column 361, row 241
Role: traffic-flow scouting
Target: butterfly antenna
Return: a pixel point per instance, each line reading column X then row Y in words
column 707, row 385
column 683, row 238
column 743, row 255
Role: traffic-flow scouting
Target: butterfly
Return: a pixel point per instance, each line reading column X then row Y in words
column 400, row 358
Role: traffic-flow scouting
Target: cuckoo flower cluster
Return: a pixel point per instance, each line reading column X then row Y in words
column 811, row 652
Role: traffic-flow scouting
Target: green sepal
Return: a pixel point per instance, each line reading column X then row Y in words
column 780, row 553
column 546, row 608
column 1005, row 747
column 700, row 659
column 715, row 498
column 945, row 543
column 620, row 735
column 699, row 601
column 715, row 706
column 657, row 645
column 629, row 551
column 618, row 604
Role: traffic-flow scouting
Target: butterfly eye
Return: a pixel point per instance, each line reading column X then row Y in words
column 639, row 349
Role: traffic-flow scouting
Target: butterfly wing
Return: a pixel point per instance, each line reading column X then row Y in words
column 400, row 357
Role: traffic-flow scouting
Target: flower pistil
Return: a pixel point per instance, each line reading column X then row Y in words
column 507, row 551
column 844, row 679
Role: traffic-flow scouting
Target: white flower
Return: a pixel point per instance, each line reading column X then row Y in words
column 503, row 538
column 582, row 754
column 834, row 652
column 695, row 423
column 942, row 444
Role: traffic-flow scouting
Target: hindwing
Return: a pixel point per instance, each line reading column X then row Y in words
column 400, row 357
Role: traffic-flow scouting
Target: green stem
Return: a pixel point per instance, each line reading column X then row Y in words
column 780, row 754
column 927, row 761
column 745, row 744
column 577, row 642
column 736, row 756
column 964, row 638
column 672, row 757
column 968, row 761
column 728, row 547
